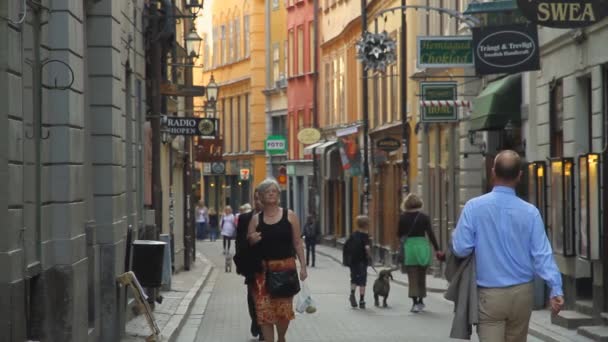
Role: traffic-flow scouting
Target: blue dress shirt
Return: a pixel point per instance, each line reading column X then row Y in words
column 508, row 237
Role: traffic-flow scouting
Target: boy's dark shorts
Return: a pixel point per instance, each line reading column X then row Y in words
column 358, row 274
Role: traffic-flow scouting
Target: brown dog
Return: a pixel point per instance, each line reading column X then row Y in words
column 382, row 287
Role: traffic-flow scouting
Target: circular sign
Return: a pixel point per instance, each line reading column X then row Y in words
column 218, row 167
column 506, row 49
column 388, row 144
column 206, row 127
column 309, row 136
column 564, row 13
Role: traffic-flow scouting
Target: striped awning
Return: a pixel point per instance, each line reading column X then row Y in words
column 445, row 103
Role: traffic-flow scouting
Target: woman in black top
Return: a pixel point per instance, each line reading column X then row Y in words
column 414, row 226
column 276, row 231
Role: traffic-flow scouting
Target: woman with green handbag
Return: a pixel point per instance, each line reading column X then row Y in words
column 414, row 227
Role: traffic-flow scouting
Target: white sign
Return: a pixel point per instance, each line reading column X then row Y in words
column 347, row 131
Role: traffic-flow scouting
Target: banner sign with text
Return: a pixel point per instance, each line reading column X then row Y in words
column 438, row 91
column 445, row 52
column 564, row 13
column 205, row 128
column 506, row 49
column 350, row 154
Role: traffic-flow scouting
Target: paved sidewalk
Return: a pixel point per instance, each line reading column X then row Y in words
column 170, row 314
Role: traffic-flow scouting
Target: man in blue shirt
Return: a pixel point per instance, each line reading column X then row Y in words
column 508, row 238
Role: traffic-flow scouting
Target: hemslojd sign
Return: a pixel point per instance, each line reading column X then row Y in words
column 564, row 13
column 506, row 49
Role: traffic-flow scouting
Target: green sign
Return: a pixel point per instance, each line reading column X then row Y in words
column 445, row 52
column 276, row 144
column 436, row 97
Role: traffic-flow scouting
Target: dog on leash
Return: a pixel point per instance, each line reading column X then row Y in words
column 228, row 264
column 382, row 287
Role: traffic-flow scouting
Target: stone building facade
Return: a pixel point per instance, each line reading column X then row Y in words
column 73, row 85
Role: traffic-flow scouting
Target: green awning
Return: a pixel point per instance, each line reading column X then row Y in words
column 497, row 104
column 487, row 7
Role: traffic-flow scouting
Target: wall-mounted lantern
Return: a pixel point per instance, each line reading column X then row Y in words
column 562, row 206
column 589, row 206
column 537, row 187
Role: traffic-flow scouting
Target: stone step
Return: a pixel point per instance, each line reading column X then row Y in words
column 596, row 333
column 584, row 307
column 572, row 319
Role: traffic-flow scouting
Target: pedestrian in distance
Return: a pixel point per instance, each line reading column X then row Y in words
column 357, row 256
column 311, row 234
column 202, row 220
column 228, row 228
column 247, row 259
column 414, row 228
column 507, row 237
column 276, row 232
column 213, row 224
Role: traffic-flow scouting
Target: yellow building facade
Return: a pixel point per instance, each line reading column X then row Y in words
column 235, row 57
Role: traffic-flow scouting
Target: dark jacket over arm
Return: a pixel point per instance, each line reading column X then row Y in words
column 247, row 258
column 461, row 273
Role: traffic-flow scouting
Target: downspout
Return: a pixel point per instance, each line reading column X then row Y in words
column 313, row 200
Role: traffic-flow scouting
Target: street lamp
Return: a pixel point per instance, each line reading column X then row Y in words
column 193, row 43
column 212, row 90
column 194, row 6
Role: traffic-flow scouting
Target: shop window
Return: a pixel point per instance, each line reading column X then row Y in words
column 589, row 207
column 562, row 206
column 556, row 119
column 537, row 186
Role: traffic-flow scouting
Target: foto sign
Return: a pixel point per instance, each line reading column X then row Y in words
column 506, row 49
column 564, row 13
column 205, row 128
column 276, row 144
column 445, row 52
column 438, row 91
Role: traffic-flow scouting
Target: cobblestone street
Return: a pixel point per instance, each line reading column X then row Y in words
column 226, row 318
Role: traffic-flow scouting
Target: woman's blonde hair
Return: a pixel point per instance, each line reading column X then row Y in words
column 228, row 208
column 411, row 202
column 265, row 185
column 362, row 222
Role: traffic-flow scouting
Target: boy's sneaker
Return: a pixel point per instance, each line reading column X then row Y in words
column 353, row 301
column 362, row 305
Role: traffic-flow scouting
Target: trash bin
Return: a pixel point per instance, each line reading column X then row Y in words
column 148, row 262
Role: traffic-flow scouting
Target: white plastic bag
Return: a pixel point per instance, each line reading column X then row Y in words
column 304, row 301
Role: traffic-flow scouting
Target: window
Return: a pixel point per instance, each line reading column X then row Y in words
column 334, row 91
column 341, row 92
column 276, row 60
column 223, row 128
column 236, row 125
column 243, row 123
column 215, row 49
column 393, row 116
column 228, row 129
column 300, row 126
column 237, row 39
column 279, row 125
column 275, row 4
column 223, row 45
column 311, row 40
column 246, row 35
column 384, row 99
column 556, row 119
column 231, row 43
column 300, row 50
column 291, row 53
column 247, row 123
column 286, row 59
column 327, row 99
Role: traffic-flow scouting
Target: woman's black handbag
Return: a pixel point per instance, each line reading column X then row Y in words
column 282, row 284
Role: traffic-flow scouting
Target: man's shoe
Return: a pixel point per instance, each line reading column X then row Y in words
column 362, row 304
column 415, row 308
column 353, row 301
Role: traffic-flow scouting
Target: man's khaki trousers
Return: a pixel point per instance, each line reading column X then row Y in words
column 504, row 313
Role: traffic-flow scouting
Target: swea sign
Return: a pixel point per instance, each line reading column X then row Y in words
column 506, row 49
column 564, row 13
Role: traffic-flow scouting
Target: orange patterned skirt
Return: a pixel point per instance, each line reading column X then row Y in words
column 272, row 310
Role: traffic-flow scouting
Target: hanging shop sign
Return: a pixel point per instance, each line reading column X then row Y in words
column 209, row 150
column 218, row 168
column 388, row 144
column 350, row 154
column 244, row 174
column 172, row 89
column 506, row 49
column 205, row 128
column 440, row 92
column 309, row 136
column 564, row 13
column 445, row 52
column 276, row 144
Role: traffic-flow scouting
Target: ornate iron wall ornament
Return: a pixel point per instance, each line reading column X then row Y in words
column 376, row 50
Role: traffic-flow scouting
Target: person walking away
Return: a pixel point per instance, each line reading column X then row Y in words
column 228, row 228
column 202, row 220
column 311, row 237
column 414, row 227
column 213, row 224
column 247, row 259
column 360, row 256
column 508, row 239
column 277, row 233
